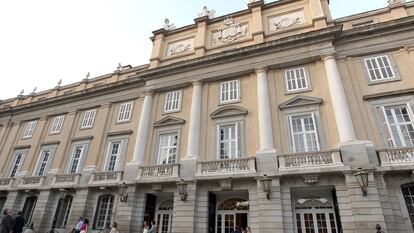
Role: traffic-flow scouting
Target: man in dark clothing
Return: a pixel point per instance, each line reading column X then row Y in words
column 18, row 223
column 7, row 222
column 237, row 229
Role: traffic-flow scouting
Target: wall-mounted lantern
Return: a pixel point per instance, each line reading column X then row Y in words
column 362, row 178
column 182, row 190
column 266, row 183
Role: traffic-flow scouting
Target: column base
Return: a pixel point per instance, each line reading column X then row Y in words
column 266, row 151
column 266, row 162
column 358, row 153
column 131, row 170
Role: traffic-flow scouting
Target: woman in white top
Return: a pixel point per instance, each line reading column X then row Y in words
column 146, row 228
column 114, row 228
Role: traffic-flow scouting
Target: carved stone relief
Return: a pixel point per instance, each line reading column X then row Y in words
column 179, row 47
column 286, row 21
column 230, row 31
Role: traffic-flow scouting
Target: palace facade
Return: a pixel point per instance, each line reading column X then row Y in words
column 276, row 117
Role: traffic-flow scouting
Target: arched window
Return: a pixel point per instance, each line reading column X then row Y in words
column 232, row 212
column 62, row 212
column 408, row 193
column 315, row 214
column 103, row 212
column 166, row 205
column 234, row 204
column 28, row 208
column 164, row 216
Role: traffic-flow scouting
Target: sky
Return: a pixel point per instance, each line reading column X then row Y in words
column 44, row 41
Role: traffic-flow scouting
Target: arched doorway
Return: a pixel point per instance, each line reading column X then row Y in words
column 315, row 215
column 232, row 212
column 164, row 216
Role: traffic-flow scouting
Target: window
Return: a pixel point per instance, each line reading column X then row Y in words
column 172, row 101
column 296, row 79
column 57, row 124
column 125, row 111
column 30, row 128
column 167, row 148
column 379, row 68
column 88, row 119
column 164, row 216
column 229, row 142
column 397, row 123
column 2, row 202
column 78, row 155
column 408, row 193
column 62, row 212
column 304, row 134
column 229, row 91
column 28, row 208
column 103, row 213
column 231, row 213
column 45, row 160
column 115, row 154
column 17, row 162
column 315, row 215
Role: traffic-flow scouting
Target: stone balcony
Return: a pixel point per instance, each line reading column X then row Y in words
column 400, row 157
column 227, row 167
column 106, row 178
column 6, row 182
column 310, row 160
column 66, row 180
column 32, row 181
column 161, row 172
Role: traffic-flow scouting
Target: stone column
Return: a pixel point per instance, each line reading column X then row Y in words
column 265, row 113
column 339, row 103
column 143, row 127
column 195, row 118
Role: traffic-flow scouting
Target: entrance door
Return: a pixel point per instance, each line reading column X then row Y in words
column 231, row 213
column 313, row 216
column 164, row 217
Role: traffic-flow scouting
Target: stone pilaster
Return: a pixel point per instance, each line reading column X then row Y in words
column 270, row 211
column 184, row 212
column 43, row 212
column 130, row 214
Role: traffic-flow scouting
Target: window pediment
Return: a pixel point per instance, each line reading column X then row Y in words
column 228, row 111
column 299, row 101
column 169, row 120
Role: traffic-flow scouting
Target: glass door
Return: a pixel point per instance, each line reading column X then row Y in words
column 315, row 221
column 164, row 220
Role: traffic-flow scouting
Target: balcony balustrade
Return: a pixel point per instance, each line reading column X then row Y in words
column 328, row 158
column 226, row 166
column 396, row 156
column 162, row 170
column 32, row 181
column 63, row 180
column 112, row 177
column 6, row 182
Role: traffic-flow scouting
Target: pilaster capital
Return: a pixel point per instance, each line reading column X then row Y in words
column 149, row 92
column 327, row 56
column 260, row 70
column 197, row 82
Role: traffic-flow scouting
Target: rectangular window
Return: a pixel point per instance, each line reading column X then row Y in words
column 114, row 154
column 78, row 153
column 88, row 119
column 296, row 79
column 125, row 111
column 408, row 193
column 304, row 134
column 104, row 210
column 30, row 128
column 45, row 160
column 229, row 141
column 229, row 91
column 57, row 124
column 379, row 68
column 397, row 123
column 167, row 148
column 18, row 159
column 62, row 212
column 28, row 208
column 172, row 101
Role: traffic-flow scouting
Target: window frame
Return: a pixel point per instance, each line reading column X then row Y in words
column 316, row 131
column 82, row 158
column 118, row 120
column 59, row 211
column 56, row 126
column 28, row 132
column 90, row 119
column 98, row 208
column 238, row 92
column 307, row 80
column 119, row 163
column 23, row 152
column 159, row 135
column 241, row 145
column 392, row 65
column 52, row 151
column 180, row 99
column 28, row 218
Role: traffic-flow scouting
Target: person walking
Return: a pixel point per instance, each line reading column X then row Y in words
column 114, row 228
column 7, row 221
column 237, row 229
column 153, row 227
column 248, row 230
column 146, row 228
column 18, row 223
column 85, row 226
column 78, row 225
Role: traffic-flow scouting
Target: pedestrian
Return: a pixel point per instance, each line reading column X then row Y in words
column 78, row 225
column 248, row 230
column 30, row 229
column 237, row 229
column 146, row 227
column 18, row 223
column 85, row 226
column 107, row 228
column 153, row 227
column 114, row 228
column 7, row 221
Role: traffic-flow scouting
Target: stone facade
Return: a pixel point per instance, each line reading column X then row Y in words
column 278, row 90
